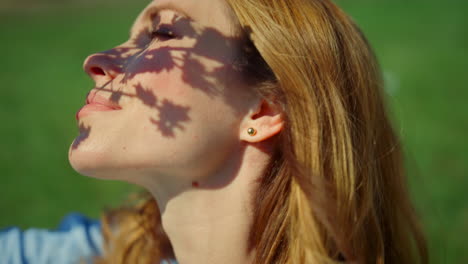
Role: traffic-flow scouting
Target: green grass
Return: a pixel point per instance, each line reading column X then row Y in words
column 422, row 47
column 43, row 85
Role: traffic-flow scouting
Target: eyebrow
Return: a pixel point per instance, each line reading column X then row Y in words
column 156, row 9
column 168, row 6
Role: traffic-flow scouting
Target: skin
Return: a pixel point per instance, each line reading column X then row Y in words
column 180, row 130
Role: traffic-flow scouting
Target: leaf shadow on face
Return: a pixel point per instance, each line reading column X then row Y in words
column 209, row 44
column 170, row 115
column 140, row 55
column 222, row 79
column 84, row 134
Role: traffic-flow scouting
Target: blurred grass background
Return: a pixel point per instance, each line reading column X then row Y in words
column 422, row 47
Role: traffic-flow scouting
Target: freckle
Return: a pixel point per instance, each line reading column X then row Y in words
column 195, row 184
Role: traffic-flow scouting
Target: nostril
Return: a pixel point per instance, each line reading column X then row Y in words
column 97, row 71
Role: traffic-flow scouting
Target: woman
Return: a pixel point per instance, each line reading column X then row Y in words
column 258, row 129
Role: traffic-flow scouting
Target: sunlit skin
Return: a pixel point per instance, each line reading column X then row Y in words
column 176, row 121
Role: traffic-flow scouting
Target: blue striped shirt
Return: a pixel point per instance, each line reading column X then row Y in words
column 77, row 240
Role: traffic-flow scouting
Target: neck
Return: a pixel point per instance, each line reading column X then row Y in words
column 207, row 224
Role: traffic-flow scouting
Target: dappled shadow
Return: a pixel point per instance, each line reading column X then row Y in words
column 146, row 96
column 170, row 117
column 210, row 62
column 136, row 57
column 205, row 58
column 115, row 96
column 84, row 134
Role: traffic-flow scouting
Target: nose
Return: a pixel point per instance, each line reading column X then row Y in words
column 103, row 67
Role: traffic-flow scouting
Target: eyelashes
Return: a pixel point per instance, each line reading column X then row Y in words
column 162, row 33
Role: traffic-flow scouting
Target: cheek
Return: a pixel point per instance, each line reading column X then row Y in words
column 178, row 85
column 98, row 148
column 153, row 61
column 188, row 132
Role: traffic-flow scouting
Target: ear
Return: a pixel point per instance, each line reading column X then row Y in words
column 266, row 120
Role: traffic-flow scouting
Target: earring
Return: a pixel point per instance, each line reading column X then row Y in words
column 251, row 131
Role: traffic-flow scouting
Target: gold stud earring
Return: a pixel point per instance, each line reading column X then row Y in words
column 251, row 131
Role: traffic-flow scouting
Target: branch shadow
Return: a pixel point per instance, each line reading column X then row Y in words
column 208, row 43
column 229, row 58
column 170, row 115
column 84, row 134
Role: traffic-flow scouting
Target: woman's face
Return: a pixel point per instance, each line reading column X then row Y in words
column 168, row 101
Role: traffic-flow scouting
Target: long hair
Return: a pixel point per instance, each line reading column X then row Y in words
column 335, row 189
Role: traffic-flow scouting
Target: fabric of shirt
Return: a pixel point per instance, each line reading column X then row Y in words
column 77, row 240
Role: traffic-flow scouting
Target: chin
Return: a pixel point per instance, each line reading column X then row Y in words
column 91, row 164
column 103, row 164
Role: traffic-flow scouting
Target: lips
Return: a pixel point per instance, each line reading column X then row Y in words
column 96, row 103
column 94, row 98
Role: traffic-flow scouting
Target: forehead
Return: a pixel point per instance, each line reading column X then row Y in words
column 206, row 13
